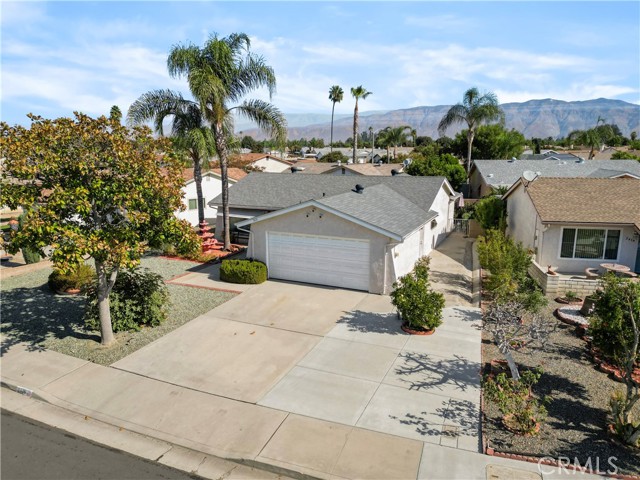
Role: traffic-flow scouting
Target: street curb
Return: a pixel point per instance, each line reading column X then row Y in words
column 101, row 418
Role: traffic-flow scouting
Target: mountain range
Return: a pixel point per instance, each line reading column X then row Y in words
column 534, row 118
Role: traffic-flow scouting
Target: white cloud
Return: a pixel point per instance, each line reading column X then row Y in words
column 21, row 13
column 438, row 22
column 576, row 91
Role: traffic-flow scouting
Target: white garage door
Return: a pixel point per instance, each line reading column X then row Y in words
column 340, row 262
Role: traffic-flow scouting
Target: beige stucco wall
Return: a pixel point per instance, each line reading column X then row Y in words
column 479, row 188
column 522, row 217
column 329, row 225
column 550, row 252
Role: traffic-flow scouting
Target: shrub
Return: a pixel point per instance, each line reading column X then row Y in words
column 243, row 271
column 29, row 254
column 610, row 326
column 418, row 305
column 521, row 409
column 333, row 157
column 80, row 278
column 628, row 429
column 491, row 213
column 139, row 298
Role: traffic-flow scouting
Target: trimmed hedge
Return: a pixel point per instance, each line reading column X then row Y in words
column 80, row 278
column 243, row 271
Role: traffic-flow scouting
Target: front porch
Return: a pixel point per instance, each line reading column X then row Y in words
column 559, row 283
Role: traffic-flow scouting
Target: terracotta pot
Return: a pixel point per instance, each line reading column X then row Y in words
column 411, row 331
column 566, row 301
column 69, row 291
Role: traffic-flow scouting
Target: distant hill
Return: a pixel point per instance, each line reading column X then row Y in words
column 535, row 118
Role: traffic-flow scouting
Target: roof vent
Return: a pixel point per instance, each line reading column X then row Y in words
column 580, row 160
column 295, row 169
column 490, row 175
column 394, row 172
column 513, row 159
column 359, row 188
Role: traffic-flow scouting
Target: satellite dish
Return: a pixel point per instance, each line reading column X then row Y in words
column 529, row 176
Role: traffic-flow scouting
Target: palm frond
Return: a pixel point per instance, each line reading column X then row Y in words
column 456, row 114
column 182, row 58
column 268, row 118
column 156, row 106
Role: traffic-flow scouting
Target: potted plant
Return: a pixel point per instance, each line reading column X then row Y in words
column 73, row 282
column 419, row 307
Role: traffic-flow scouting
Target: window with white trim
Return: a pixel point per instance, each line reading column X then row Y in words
column 590, row 243
column 193, row 203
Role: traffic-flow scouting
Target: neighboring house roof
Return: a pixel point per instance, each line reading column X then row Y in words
column 608, row 173
column 235, row 174
column 358, row 168
column 585, row 200
column 274, row 191
column 507, row 172
column 249, row 158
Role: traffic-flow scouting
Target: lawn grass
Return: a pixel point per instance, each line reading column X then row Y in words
column 31, row 313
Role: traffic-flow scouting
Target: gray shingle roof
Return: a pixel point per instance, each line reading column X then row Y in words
column 382, row 207
column 506, row 172
column 273, row 191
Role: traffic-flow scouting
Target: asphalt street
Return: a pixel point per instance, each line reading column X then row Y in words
column 31, row 450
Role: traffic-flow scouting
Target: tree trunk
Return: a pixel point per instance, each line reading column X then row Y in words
column 221, row 146
column 104, row 289
column 395, row 153
column 469, row 143
column 355, row 131
column 331, row 140
column 197, row 176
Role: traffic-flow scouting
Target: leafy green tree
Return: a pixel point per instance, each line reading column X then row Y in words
column 437, row 165
column 190, row 131
column 251, row 143
column 99, row 190
column 624, row 156
column 358, row 92
column 474, row 110
column 219, row 75
column 491, row 212
column 593, row 137
column 115, row 113
column 333, row 157
column 336, row 94
column 491, row 142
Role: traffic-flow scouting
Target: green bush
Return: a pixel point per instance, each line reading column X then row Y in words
column 418, row 305
column 138, row 298
column 611, row 325
column 29, row 254
column 80, row 278
column 334, row 157
column 508, row 263
column 491, row 213
column 515, row 399
column 243, row 271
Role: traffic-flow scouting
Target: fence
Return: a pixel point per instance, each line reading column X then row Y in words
column 460, row 225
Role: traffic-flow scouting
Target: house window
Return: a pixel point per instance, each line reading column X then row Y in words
column 590, row 243
column 193, row 204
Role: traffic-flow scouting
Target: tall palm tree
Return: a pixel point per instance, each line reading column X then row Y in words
column 357, row 93
column 336, row 94
column 189, row 129
column 221, row 74
column 475, row 110
column 395, row 136
column 414, row 136
column 594, row 137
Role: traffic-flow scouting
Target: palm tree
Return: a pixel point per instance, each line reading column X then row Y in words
column 189, row 129
column 357, row 93
column 475, row 110
column 594, row 137
column 414, row 136
column 336, row 94
column 220, row 74
column 395, row 136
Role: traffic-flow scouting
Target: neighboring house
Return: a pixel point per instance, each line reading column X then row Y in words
column 488, row 174
column 335, row 230
column 261, row 161
column 577, row 223
column 211, row 188
column 375, row 169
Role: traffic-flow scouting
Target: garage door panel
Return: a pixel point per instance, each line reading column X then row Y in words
column 316, row 259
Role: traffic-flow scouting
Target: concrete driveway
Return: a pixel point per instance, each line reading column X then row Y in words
column 335, row 355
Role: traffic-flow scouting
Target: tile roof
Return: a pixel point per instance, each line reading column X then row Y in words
column 507, row 172
column 587, row 200
column 273, row 191
column 234, row 173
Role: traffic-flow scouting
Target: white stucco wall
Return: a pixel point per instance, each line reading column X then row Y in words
column 211, row 188
column 445, row 207
column 272, row 165
column 332, row 226
column 405, row 254
column 522, row 218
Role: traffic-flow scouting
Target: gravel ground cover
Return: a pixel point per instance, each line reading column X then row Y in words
column 578, row 407
column 32, row 313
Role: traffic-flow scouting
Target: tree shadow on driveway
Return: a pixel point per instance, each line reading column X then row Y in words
column 368, row 322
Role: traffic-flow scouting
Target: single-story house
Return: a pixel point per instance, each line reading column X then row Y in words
column 264, row 162
column 577, row 223
column 211, row 188
column 486, row 175
column 341, row 231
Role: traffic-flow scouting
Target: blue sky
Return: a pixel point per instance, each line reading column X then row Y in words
column 58, row 57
